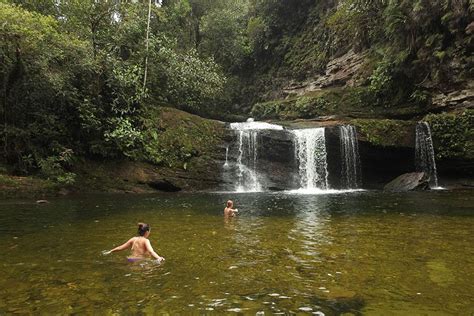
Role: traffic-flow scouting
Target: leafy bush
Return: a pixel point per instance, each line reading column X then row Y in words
column 297, row 107
column 381, row 80
column 53, row 167
column 189, row 81
column 267, row 110
column 453, row 134
column 123, row 135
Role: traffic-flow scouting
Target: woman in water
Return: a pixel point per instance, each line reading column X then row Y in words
column 229, row 211
column 141, row 246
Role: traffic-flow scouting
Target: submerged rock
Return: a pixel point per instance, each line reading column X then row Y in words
column 352, row 305
column 414, row 181
column 439, row 272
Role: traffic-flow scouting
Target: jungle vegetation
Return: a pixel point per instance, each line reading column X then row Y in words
column 87, row 78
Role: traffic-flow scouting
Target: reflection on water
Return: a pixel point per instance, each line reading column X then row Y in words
column 358, row 252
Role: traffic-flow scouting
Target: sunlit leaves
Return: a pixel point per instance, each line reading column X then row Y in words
column 190, row 81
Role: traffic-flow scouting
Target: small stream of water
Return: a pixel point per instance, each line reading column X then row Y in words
column 424, row 153
column 351, row 173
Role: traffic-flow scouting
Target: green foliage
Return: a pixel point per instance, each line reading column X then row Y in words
column 25, row 187
column 125, row 83
column 72, row 72
column 224, row 36
column 256, row 30
column 384, row 84
column 453, row 134
column 413, row 45
column 123, row 135
column 420, row 97
column 310, row 106
column 53, row 167
column 268, row 110
column 381, row 80
column 298, row 107
column 40, row 94
column 74, row 78
column 356, row 23
column 189, row 81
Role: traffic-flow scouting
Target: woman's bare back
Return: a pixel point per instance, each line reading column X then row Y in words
column 139, row 247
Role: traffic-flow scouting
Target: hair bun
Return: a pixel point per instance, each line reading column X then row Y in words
column 140, row 225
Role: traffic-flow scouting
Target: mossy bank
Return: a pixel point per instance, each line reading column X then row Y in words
column 186, row 155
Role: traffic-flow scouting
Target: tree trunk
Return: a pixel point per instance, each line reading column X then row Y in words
column 147, row 45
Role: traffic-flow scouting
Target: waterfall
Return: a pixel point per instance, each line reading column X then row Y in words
column 226, row 164
column 310, row 151
column 350, row 160
column 247, row 162
column 424, row 152
column 247, row 173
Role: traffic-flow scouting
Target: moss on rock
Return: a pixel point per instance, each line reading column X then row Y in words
column 310, row 105
column 25, row 187
column 453, row 134
column 386, row 132
column 173, row 137
column 340, row 101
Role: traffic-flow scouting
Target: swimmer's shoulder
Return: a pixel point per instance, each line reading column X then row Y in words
column 133, row 240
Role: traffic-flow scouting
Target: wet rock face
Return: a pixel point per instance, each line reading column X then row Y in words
column 414, row 181
column 339, row 72
column 275, row 162
column 379, row 164
column 382, row 164
column 463, row 98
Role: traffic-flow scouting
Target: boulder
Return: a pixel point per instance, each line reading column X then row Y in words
column 414, row 181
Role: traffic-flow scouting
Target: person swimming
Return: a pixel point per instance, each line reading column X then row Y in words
column 229, row 211
column 140, row 245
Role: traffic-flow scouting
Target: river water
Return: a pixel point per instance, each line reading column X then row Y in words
column 369, row 253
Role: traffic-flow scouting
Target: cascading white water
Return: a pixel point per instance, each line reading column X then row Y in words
column 424, row 152
column 350, row 160
column 247, row 176
column 226, row 164
column 253, row 126
column 310, row 151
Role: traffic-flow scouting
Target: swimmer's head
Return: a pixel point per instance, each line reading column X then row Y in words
column 230, row 203
column 143, row 229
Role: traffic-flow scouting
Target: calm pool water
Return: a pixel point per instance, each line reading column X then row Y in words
column 369, row 253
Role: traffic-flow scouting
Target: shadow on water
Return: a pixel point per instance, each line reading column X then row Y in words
column 339, row 306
